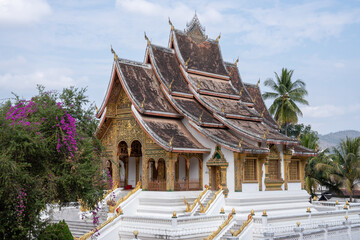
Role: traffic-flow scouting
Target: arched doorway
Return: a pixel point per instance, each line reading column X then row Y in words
column 123, row 162
column 134, row 165
column 157, row 175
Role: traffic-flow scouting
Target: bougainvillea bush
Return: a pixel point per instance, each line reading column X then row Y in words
column 48, row 154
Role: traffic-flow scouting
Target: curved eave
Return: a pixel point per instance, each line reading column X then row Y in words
column 304, row 154
column 158, row 139
column 189, row 116
column 207, row 74
column 135, row 102
column 108, row 92
column 253, row 136
column 102, row 120
column 227, row 145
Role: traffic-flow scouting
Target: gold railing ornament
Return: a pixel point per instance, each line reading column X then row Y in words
column 174, row 215
column 298, row 224
column 264, row 213
column 308, row 210
column 314, row 198
column 345, row 207
column 347, row 202
column 118, row 213
column 346, row 217
column 233, row 211
column 198, row 199
column 212, row 200
column 252, row 212
column 187, row 205
column 83, row 207
column 337, row 202
column 222, row 211
column 201, row 207
column 136, row 233
column 221, row 227
column 243, row 226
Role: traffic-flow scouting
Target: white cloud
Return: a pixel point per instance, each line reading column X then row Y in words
column 23, row 11
column 328, row 111
column 53, row 78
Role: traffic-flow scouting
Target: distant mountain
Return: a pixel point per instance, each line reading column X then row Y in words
column 332, row 139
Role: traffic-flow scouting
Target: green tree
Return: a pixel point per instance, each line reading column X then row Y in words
column 286, row 95
column 48, row 153
column 347, row 158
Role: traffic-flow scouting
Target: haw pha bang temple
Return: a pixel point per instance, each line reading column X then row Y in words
column 194, row 154
column 184, row 118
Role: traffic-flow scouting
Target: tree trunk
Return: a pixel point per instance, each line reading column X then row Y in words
column 286, row 129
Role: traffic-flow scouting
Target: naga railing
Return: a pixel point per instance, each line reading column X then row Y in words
column 243, row 226
column 203, row 210
column 220, row 228
column 111, row 210
column 191, row 208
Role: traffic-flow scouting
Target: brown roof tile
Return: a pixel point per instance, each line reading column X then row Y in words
column 237, row 83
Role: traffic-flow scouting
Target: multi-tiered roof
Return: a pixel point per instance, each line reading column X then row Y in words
column 190, row 80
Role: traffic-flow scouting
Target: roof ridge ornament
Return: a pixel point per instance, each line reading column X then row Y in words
column 218, row 38
column 241, row 91
column 147, row 39
column 170, row 142
column 200, row 117
column 258, row 83
column 262, row 113
column 240, row 142
column 187, row 62
column 236, row 62
column 142, row 104
column 172, row 26
column 171, row 84
column 113, row 52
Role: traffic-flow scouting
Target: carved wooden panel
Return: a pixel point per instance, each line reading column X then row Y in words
column 250, row 169
column 274, row 169
column 294, row 173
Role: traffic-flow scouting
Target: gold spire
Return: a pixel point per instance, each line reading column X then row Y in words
column 200, row 117
column 258, row 83
column 240, row 142
column 142, row 103
column 218, row 38
column 172, row 26
column 97, row 110
column 171, row 84
column 170, row 142
column 236, row 62
column 115, row 55
column 241, row 90
column 262, row 113
column 187, row 61
column 147, row 39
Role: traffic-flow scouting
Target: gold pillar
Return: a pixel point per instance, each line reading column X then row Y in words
column 170, row 170
column 137, row 159
column 239, row 159
column 116, row 171
column 223, row 180
column 287, row 159
column 260, row 172
column 145, row 172
column 210, row 176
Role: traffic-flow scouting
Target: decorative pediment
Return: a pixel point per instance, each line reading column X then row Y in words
column 195, row 30
column 274, row 152
column 217, row 158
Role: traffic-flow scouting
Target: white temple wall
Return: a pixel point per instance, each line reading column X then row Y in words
column 294, row 186
column 132, row 172
column 263, row 178
column 206, row 143
column 194, row 169
column 250, row 187
column 182, row 174
column 280, row 149
column 230, row 175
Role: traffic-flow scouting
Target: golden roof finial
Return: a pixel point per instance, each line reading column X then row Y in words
column 231, row 69
column 187, row 61
column 240, row 142
column 113, row 52
column 171, row 84
column 200, row 117
column 147, row 39
column 241, row 91
column 223, row 109
column 236, row 62
column 218, row 38
column 172, row 26
column 266, row 132
column 254, row 101
column 142, row 103
column 262, row 113
column 97, row 110
column 258, row 83
column 170, row 142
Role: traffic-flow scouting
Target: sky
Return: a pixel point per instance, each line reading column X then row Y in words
column 67, row 43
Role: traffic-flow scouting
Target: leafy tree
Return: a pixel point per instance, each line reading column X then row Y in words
column 347, row 158
column 48, row 153
column 286, row 94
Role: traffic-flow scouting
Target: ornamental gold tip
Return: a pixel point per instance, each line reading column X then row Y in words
column 136, row 232
column 337, row 202
column 233, row 211
column 298, row 224
column 187, row 62
column 345, row 207
column 222, row 210
column 264, row 213
column 172, row 26
column 252, row 212
column 147, row 39
column 174, row 214
column 258, row 83
column 236, row 62
column 315, row 198
column 308, row 209
column 347, row 202
column 232, row 231
column 218, row 38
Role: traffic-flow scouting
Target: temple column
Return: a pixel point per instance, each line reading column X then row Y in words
column 260, row 172
column 116, row 172
column 287, row 160
column 223, row 180
column 238, row 170
column 200, row 173
column 266, row 162
column 170, row 170
column 210, row 177
column 302, row 171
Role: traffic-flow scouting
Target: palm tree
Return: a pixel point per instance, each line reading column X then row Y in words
column 286, row 94
column 347, row 157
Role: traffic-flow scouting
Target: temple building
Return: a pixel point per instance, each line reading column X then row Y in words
column 184, row 118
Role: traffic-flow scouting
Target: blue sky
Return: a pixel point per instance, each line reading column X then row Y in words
column 63, row 43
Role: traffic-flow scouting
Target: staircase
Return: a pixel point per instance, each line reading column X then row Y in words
column 205, row 202
column 235, row 227
column 79, row 228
